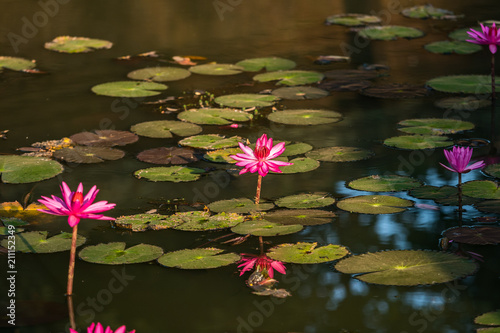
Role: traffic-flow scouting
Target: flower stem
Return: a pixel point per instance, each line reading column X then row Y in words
column 460, row 210
column 259, row 186
column 493, row 98
column 71, row 312
column 71, row 271
column 261, row 245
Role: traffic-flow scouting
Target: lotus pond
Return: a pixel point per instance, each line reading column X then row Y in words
column 365, row 220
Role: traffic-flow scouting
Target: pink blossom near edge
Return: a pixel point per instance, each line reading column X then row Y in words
column 93, row 328
column 489, row 36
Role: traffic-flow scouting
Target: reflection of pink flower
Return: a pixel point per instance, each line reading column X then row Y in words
column 260, row 159
column 458, row 158
column 490, row 36
column 262, row 263
column 75, row 206
column 100, row 329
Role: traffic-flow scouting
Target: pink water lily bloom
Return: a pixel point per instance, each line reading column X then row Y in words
column 489, row 36
column 260, row 159
column 262, row 263
column 93, row 328
column 458, row 158
column 75, row 205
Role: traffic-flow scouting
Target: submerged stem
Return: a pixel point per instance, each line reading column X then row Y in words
column 71, row 312
column 71, row 271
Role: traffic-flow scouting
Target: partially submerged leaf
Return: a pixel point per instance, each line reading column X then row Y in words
column 468, row 103
column 203, row 258
column 26, row 169
column 88, row 154
column 37, row 242
column 165, row 129
column 129, row 89
column 374, row 204
column 159, row 74
column 212, row 116
column 290, row 78
column 307, row 253
column 116, row 254
column 104, row 138
column 340, row 154
column 68, row 44
column 16, row 64
column 174, row 174
column 268, row 63
column 170, row 155
column 465, row 84
column 305, row 117
column 428, row 11
column 240, row 205
column 300, row 216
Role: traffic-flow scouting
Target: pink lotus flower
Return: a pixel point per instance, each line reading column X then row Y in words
column 458, row 158
column 490, row 36
column 260, row 159
column 263, row 264
column 75, row 206
column 100, row 329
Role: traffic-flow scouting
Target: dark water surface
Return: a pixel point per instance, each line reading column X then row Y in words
column 150, row 298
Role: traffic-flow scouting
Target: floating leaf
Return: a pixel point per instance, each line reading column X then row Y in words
column 492, row 170
column 428, row 11
column 344, row 85
column 159, row 74
column 490, row 319
column 300, row 164
column 37, row 242
column 407, row 267
column 222, row 155
column 469, row 103
column 104, row 138
column 340, row 154
column 16, row 64
column 352, row 75
column 240, row 205
column 418, row 142
column 461, row 34
column 246, row 100
column 143, row 222
column 174, row 174
column 297, row 148
column 305, row 117
column 26, row 169
column 201, row 220
column 67, row 44
column 305, row 200
column 269, row 64
column 434, row 126
column 475, row 234
column 290, row 78
column 210, row 141
column 17, row 210
column 448, row 47
column 384, row 183
column 352, row 20
column 116, row 254
column 165, row 129
column 483, row 189
column 307, row 253
column 452, row 200
column 374, row 204
column 466, row 84
column 216, row 69
column 433, row 192
column 300, row 216
column 390, row 32
column 81, row 154
column 203, row 258
column 214, row 116
column 265, row 228
column 395, row 91
column 164, row 155
column 129, row 89
column 300, row 93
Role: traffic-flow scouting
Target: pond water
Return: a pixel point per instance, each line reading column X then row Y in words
column 151, row 298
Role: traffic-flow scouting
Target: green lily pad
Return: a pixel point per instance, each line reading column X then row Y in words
column 490, row 319
column 300, row 93
column 68, row 44
column 216, row 69
column 297, row 148
column 214, row 116
column 492, row 170
column 461, row 34
column 174, row 174
column 427, row 11
column 305, row 117
column 37, row 242
column 159, row 74
column 340, row 154
column 290, row 78
column 483, row 189
column 27, row 169
column 384, row 183
column 241, row 206
column 307, row 253
column 165, row 129
column 352, row 20
column 465, row 84
column 129, row 89
column 116, row 254
column 305, row 200
column 413, row 142
column 300, row 164
column 170, row 155
column 433, row 192
column 390, row 32
column 475, row 234
column 104, row 138
column 374, row 204
column 222, row 155
column 265, row 228
column 88, row 154
column 5, row 231
column 407, row 267
column 268, row 63
column 452, row 200
column 246, row 100
column 210, row 141
column 143, row 222
column 201, row 220
column 468, row 103
column 434, row 126
column 16, row 64
column 300, row 216
column 203, row 258
column 10, row 222
column 448, row 47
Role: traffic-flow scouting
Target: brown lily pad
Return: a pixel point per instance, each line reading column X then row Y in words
column 476, row 234
column 170, row 155
column 82, row 154
column 104, row 138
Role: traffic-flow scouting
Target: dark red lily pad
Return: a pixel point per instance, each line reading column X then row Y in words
column 479, row 235
column 104, row 138
column 170, row 155
column 395, row 91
